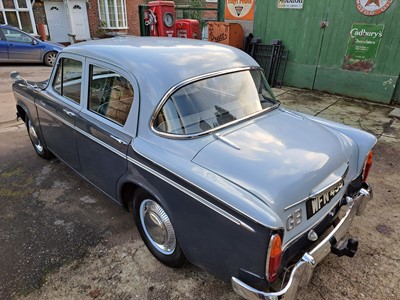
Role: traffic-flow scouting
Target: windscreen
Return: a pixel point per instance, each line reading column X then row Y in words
column 213, row 102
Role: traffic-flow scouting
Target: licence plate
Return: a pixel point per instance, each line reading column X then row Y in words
column 316, row 203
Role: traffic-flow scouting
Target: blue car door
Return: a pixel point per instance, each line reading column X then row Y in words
column 3, row 47
column 21, row 46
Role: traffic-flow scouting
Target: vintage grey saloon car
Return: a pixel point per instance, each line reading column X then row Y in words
column 188, row 136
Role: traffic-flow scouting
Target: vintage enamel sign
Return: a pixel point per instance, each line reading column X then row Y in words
column 239, row 9
column 372, row 7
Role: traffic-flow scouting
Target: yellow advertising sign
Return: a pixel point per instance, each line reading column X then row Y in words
column 239, row 9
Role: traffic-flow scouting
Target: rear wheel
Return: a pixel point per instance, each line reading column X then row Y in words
column 156, row 229
column 50, row 58
column 37, row 143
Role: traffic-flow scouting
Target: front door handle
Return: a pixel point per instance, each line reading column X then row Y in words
column 119, row 140
column 69, row 113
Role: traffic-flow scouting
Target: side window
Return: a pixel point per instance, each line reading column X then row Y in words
column 110, row 94
column 68, row 79
column 12, row 35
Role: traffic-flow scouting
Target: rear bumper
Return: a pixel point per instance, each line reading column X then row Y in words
column 304, row 268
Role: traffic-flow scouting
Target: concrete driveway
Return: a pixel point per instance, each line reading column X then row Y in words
column 62, row 239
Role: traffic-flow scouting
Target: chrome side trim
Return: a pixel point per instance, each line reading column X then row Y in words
column 155, row 173
column 57, row 117
column 192, row 194
column 208, row 193
column 112, row 149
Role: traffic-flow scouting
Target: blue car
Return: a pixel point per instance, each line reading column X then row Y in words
column 18, row 46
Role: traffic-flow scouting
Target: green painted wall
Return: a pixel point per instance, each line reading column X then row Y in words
column 316, row 55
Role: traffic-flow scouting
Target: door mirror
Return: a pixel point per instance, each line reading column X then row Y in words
column 34, row 42
column 14, row 75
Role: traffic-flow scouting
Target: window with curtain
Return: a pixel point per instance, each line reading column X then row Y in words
column 113, row 14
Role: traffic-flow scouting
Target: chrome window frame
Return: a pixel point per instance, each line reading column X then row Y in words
column 88, row 109
column 130, row 126
column 55, row 94
column 212, row 130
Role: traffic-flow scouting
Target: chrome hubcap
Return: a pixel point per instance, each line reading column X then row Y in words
column 51, row 58
column 34, row 138
column 157, row 226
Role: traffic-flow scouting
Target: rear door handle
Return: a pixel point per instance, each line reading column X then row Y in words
column 119, row 140
column 69, row 113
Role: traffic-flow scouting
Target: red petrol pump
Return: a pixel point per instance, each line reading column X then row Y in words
column 161, row 18
column 188, row 28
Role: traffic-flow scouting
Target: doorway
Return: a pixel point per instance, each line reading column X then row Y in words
column 57, row 21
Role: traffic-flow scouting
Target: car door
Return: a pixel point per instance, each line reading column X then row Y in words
column 3, row 47
column 21, row 46
column 103, row 137
column 59, row 105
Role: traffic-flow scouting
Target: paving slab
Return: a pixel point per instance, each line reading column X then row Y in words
column 306, row 101
column 395, row 113
column 368, row 116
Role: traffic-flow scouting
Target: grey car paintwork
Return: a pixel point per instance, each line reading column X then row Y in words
column 194, row 179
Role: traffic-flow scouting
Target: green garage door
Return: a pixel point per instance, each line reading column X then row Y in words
column 317, row 37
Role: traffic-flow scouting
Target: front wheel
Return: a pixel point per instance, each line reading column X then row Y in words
column 50, row 58
column 37, row 143
column 156, row 230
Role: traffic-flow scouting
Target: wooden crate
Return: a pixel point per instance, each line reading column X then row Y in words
column 226, row 33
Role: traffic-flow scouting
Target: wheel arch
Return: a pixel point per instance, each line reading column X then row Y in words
column 127, row 187
column 22, row 112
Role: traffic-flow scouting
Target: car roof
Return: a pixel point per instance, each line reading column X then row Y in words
column 8, row 26
column 160, row 63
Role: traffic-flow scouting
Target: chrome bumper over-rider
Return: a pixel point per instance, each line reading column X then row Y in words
column 304, row 268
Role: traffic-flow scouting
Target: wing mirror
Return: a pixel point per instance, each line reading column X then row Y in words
column 14, row 75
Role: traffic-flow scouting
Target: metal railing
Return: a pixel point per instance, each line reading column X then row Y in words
column 273, row 59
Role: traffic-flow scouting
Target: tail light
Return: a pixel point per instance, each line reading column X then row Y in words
column 367, row 166
column 274, row 257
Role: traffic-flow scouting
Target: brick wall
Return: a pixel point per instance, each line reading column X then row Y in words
column 131, row 13
column 39, row 13
column 93, row 16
